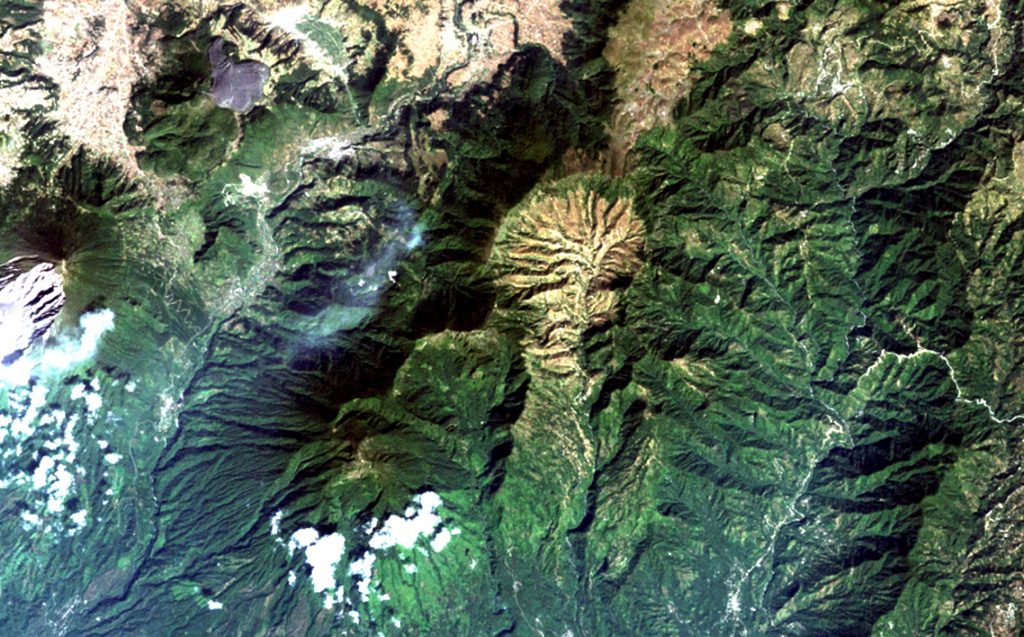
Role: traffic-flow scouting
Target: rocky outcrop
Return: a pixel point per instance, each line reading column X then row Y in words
column 31, row 296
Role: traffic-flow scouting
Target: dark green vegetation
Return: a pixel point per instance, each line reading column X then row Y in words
column 762, row 386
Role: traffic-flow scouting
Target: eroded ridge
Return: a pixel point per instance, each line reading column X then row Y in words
column 561, row 254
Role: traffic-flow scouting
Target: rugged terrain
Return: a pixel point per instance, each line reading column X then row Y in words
column 511, row 318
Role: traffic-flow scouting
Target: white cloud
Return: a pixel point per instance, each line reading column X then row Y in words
column 441, row 541
column 60, row 488
column 42, row 472
column 302, row 538
column 404, row 531
column 61, row 353
column 363, row 567
column 324, row 555
column 69, row 351
column 93, row 402
column 34, row 413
